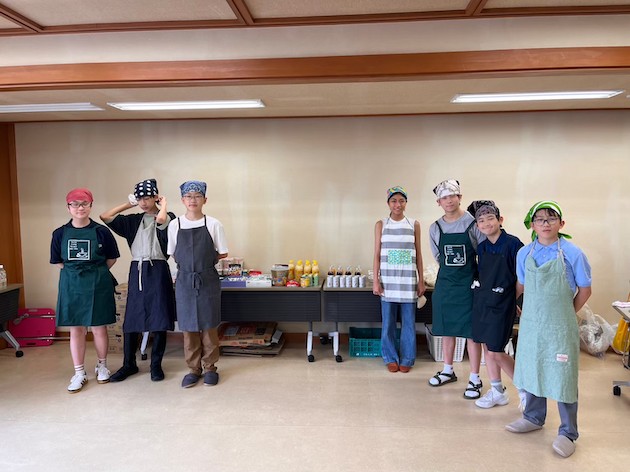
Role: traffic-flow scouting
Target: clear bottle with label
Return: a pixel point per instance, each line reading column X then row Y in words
column 357, row 271
column 291, row 275
column 3, row 277
column 307, row 267
column 299, row 270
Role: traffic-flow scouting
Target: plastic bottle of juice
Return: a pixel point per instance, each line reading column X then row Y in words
column 291, row 274
column 299, row 270
column 307, row 267
column 357, row 271
column 315, row 270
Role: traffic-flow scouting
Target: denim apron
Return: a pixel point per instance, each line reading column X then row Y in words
column 548, row 349
column 494, row 302
column 151, row 301
column 86, row 287
column 197, row 290
column 452, row 297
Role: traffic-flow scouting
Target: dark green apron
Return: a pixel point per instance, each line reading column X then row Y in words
column 86, row 287
column 452, row 297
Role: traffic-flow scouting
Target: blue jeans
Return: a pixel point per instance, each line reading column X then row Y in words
column 536, row 412
column 389, row 312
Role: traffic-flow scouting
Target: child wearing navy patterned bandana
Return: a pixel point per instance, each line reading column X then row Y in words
column 150, row 298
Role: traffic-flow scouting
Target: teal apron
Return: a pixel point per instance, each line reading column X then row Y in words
column 86, row 287
column 452, row 297
column 548, row 347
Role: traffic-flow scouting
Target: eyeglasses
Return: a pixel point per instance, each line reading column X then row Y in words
column 550, row 220
column 193, row 197
column 80, row 204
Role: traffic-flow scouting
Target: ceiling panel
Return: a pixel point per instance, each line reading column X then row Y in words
column 77, row 12
column 490, row 4
column 304, row 8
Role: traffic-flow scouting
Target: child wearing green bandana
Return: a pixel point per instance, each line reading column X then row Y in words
column 555, row 278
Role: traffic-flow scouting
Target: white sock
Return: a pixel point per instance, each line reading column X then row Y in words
column 102, row 362
column 448, row 369
column 474, row 378
column 497, row 385
column 79, row 369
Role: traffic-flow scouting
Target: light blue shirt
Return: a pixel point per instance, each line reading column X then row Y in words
column 578, row 270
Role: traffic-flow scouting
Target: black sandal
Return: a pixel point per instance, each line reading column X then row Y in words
column 473, row 388
column 450, row 378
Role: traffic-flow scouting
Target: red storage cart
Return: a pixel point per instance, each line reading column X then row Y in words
column 34, row 327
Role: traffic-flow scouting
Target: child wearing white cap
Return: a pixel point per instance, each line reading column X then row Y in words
column 454, row 238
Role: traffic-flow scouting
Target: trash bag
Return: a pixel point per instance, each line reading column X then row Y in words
column 596, row 334
column 430, row 275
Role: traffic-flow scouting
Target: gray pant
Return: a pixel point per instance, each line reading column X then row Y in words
column 536, row 412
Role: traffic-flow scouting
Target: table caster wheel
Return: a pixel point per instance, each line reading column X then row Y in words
column 338, row 358
column 144, row 357
column 323, row 339
column 19, row 353
column 311, row 358
column 617, row 390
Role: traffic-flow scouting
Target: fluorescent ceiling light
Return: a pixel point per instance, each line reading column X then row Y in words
column 48, row 107
column 204, row 105
column 526, row 97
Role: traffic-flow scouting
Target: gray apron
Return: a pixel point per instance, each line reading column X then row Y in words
column 548, row 349
column 197, row 289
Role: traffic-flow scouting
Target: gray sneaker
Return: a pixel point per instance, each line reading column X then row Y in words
column 77, row 382
column 190, row 380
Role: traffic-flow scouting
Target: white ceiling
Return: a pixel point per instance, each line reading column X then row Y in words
column 64, row 29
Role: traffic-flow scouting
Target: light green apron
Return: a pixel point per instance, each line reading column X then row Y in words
column 86, row 288
column 548, row 349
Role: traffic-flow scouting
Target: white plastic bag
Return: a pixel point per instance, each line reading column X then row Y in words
column 596, row 334
column 430, row 275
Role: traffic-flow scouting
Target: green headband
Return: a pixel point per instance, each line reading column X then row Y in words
column 543, row 205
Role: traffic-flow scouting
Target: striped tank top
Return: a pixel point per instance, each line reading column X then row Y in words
column 399, row 275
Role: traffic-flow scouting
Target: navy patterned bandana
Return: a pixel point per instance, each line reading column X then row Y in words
column 146, row 188
column 193, row 186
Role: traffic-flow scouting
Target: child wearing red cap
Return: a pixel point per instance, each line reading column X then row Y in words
column 85, row 251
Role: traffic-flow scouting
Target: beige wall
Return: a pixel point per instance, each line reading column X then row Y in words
column 313, row 188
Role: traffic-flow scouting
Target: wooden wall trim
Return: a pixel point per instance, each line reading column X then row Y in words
column 312, row 69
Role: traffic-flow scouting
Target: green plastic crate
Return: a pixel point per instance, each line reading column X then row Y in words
column 366, row 342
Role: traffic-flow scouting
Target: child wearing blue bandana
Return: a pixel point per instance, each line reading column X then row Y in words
column 197, row 242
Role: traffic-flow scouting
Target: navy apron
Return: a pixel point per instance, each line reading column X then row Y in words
column 86, row 287
column 452, row 297
column 494, row 302
column 151, row 300
column 197, row 290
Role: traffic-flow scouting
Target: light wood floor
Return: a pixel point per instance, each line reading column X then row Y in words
column 285, row 414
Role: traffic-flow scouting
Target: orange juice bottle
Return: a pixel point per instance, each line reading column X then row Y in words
column 307, row 267
column 299, row 270
column 291, row 275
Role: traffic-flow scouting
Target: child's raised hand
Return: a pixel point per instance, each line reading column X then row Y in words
column 161, row 200
column 132, row 199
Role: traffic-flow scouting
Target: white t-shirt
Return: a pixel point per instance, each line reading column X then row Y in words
column 215, row 228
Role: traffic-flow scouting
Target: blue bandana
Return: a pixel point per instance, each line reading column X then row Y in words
column 193, row 186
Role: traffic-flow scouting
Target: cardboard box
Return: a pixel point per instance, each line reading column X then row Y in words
column 115, row 344
column 246, row 334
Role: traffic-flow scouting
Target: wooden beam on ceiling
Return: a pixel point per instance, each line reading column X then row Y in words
column 382, row 67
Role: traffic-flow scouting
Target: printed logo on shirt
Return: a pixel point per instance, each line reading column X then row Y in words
column 399, row 257
column 455, row 254
column 562, row 357
column 78, row 249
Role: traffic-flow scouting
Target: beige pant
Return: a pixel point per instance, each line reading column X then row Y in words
column 201, row 350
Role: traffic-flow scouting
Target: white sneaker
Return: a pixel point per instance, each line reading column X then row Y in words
column 77, row 382
column 102, row 373
column 493, row 398
column 522, row 395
